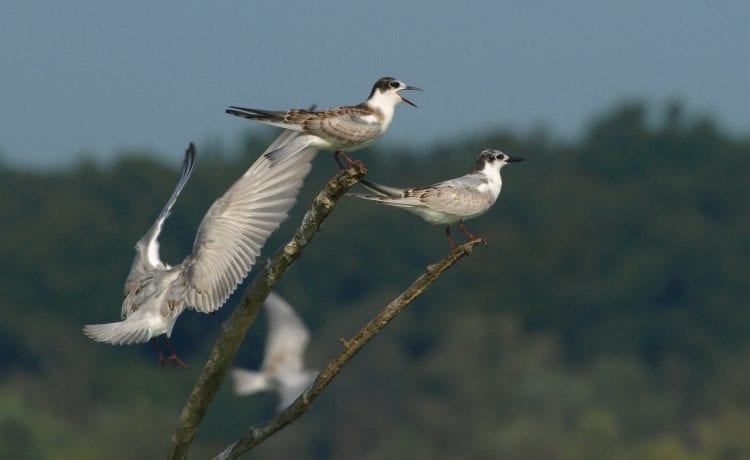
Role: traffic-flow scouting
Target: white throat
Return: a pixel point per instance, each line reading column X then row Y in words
column 384, row 103
column 494, row 181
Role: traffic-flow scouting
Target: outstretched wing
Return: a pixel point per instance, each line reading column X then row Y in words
column 236, row 227
column 295, row 144
column 290, row 142
column 147, row 248
column 287, row 335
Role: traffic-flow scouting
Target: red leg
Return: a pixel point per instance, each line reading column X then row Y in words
column 468, row 234
column 450, row 238
column 173, row 359
column 157, row 349
column 340, row 153
column 336, row 156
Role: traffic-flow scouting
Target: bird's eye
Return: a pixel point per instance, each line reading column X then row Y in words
column 499, row 156
column 394, row 84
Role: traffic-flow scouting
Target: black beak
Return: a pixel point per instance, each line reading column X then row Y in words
column 514, row 159
column 412, row 88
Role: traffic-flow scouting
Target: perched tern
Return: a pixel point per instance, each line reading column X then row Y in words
column 227, row 242
column 346, row 128
column 283, row 368
column 451, row 201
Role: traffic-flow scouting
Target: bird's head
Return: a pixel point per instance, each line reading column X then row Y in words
column 494, row 159
column 387, row 89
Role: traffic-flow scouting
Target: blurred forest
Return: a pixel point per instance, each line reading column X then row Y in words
column 607, row 317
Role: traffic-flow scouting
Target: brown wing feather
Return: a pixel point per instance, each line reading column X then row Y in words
column 343, row 124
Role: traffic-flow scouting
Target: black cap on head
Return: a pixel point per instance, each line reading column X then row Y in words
column 382, row 84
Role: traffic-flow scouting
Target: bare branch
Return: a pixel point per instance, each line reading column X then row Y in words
column 257, row 435
column 234, row 329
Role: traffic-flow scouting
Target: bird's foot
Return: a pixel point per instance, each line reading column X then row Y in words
column 172, row 359
column 470, row 236
column 175, row 361
column 479, row 239
column 338, row 154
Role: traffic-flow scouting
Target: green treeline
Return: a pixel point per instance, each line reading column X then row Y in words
column 607, row 317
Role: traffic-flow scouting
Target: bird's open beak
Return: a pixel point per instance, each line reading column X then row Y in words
column 514, row 159
column 413, row 88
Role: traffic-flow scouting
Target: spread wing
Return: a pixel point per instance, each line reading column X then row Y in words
column 147, row 248
column 236, row 227
column 287, row 336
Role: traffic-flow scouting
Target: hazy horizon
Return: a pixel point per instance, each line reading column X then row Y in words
column 94, row 80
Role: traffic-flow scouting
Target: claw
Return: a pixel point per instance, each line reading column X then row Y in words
column 172, row 359
column 356, row 163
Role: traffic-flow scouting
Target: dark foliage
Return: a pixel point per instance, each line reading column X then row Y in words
column 607, row 318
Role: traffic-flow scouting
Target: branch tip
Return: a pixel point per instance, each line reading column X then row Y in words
column 350, row 348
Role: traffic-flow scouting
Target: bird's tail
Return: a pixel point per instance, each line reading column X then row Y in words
column 380, row 192
column 255, row 114
column 120, row 333
column 249, row 382
column 384, row 190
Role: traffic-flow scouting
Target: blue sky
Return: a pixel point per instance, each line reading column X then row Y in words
column 93, row 78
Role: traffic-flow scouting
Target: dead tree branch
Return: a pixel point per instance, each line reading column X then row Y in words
column 257, row 435
column 233, row 330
